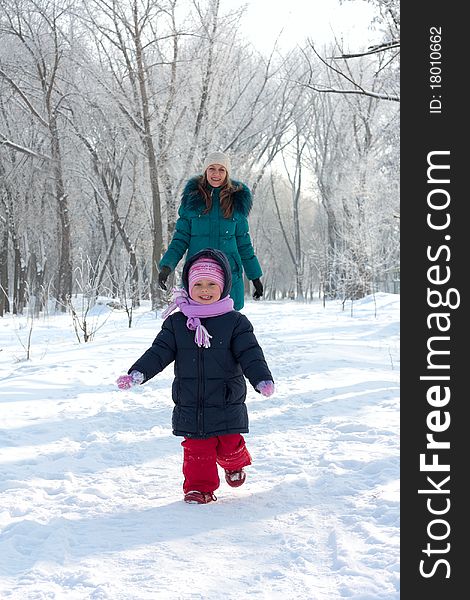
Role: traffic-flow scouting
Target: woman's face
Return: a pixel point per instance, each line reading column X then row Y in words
column 216, row 175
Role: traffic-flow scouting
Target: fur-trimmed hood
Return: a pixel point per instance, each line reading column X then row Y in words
column 192, row 199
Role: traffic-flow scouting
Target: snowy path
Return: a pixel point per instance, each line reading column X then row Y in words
column 90, row 477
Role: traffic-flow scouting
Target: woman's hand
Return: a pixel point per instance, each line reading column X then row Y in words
column 258, row 289
column 163, row 276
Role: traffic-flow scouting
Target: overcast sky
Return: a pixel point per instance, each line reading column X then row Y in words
column 320, row 20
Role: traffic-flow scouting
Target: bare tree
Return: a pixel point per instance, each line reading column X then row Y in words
column 109, row 176
column 383, row 58
column 38, row 32
column 353, row 86
column 124, row 26
column 347, row 152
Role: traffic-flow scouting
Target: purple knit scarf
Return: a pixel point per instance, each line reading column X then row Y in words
column 196, row 311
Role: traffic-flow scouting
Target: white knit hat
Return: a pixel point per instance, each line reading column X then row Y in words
column 217, row 158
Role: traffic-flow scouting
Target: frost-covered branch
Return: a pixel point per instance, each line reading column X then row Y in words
column 4, row 141
column 356, row 87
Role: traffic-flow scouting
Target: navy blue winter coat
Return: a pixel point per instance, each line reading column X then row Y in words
column 209, row 389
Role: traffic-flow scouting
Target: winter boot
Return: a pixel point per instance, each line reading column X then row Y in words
column 235, row 478
column 195, row 497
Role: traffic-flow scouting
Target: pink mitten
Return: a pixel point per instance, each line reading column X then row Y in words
column 124, row 382
column 265, row 387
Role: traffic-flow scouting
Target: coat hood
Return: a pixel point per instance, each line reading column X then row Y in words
column 216, row 255
column 242, row 198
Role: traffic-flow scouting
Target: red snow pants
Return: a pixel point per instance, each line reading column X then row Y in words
column 201, row 458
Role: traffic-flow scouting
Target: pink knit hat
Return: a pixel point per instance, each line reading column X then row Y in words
column 206, row 268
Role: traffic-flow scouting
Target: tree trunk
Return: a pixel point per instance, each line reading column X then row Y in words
column 157, row 233
column 64, row 276
column 204, row 99
column 4, row 300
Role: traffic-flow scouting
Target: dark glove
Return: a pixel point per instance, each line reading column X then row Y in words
column 163, row 276
column 258, row 289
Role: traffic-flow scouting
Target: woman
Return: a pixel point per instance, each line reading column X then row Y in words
column 214, row 214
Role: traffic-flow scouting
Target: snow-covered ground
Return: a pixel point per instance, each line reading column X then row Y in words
column 90, row 476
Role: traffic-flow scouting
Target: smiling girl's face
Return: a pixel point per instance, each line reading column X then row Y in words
column 205, row 291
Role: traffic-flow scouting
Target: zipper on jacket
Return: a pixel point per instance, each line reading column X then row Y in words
column 200, row 399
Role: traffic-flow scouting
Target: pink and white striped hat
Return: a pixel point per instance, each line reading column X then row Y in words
column 206, row 268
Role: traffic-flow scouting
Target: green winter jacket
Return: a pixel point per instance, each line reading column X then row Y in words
column 195, row 231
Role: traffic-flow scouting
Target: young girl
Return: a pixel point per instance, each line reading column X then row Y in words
column 214, row 349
